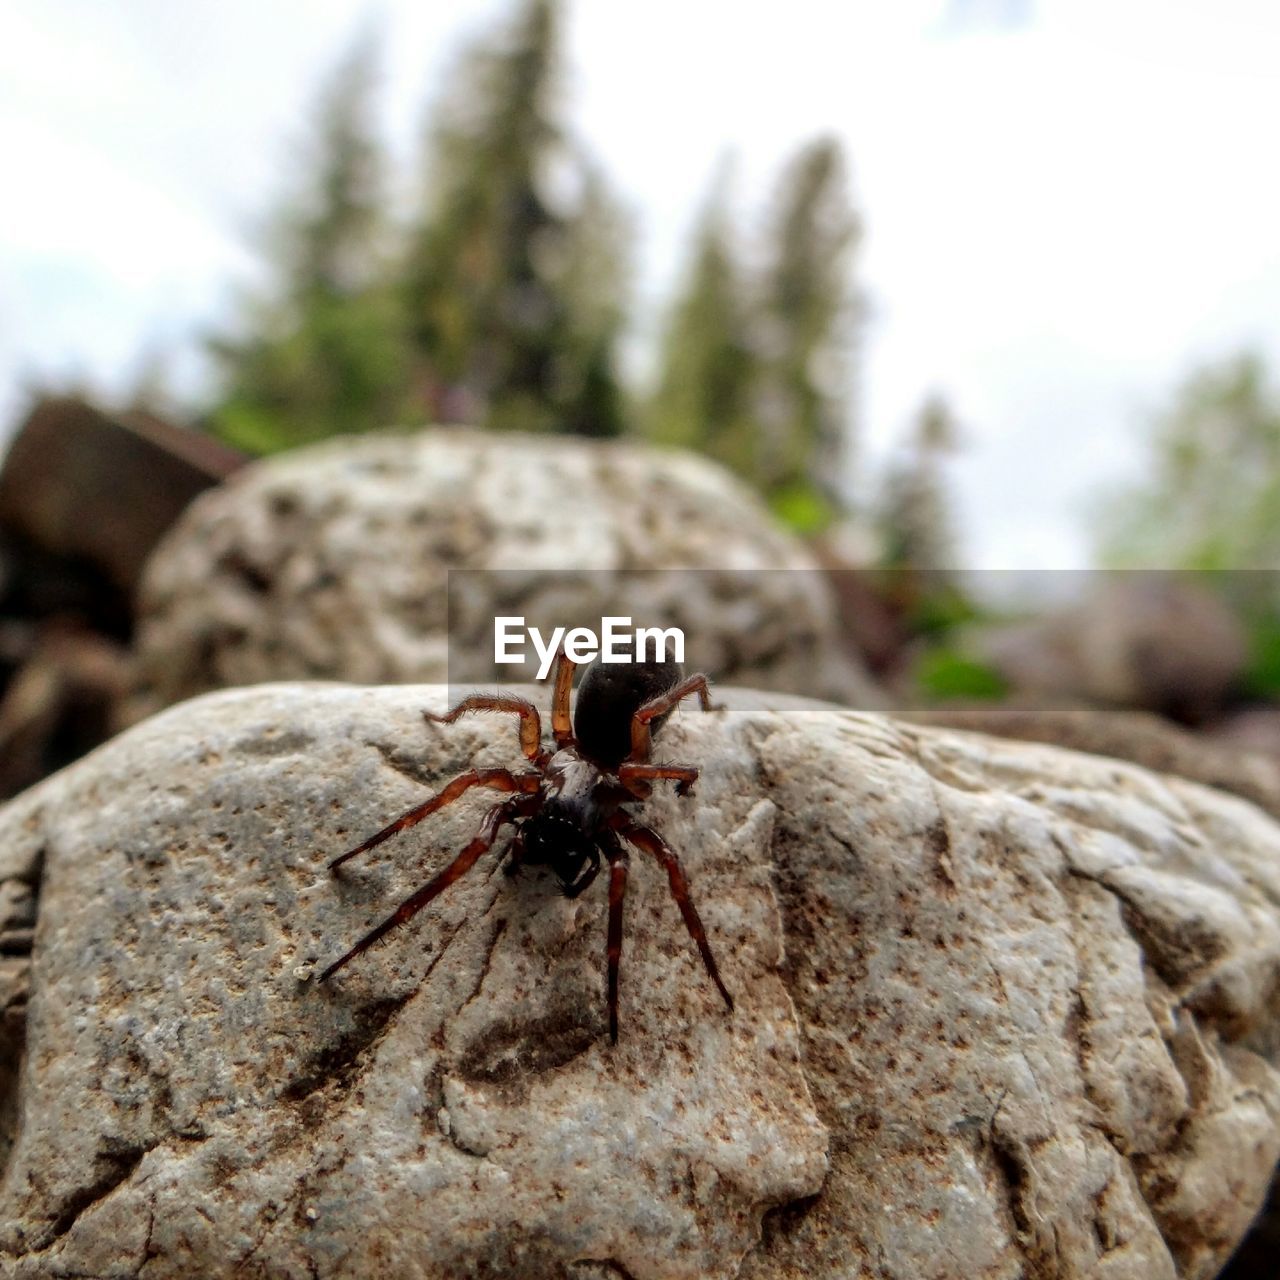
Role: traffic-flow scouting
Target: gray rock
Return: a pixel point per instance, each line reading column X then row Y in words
column 1019, row 1002
column 333, row 562
column 1149, row 640
column 1136, row 736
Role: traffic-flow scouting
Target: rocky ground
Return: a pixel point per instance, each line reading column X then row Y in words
column 1003, row 1009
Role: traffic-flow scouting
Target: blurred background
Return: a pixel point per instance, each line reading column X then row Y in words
column 978, row 296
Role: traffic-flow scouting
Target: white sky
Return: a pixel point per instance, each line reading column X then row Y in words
column 1068, row 203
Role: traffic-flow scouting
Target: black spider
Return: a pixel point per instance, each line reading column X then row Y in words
column 569, row 808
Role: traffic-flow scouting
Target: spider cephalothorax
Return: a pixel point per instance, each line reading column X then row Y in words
column 568, row 809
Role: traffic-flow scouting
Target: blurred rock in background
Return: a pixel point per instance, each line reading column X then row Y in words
column 333, row 562
column 84, row 497
column 1150, row 641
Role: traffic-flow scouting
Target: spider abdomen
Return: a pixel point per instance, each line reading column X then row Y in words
column 609, row 694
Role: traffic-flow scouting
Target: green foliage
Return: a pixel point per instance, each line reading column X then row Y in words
column 1262, row 628
column 940, row 607
column 913, row 517
column 1212, row 499
column 501, row 300
column 754, row 361
column 515, row 297
column 803, row 509
column 324, row 352
column 500, row 304
column 807, row 315
column 704, row 395
column 946, row 674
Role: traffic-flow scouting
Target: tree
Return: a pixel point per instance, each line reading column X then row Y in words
column 322, row 353
column 704, row 398
column 807, row 316
column 914, row 516
column 1212, row 499
column 756, row 359
column 514, row 279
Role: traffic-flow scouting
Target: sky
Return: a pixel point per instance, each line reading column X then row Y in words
column 1068, row 204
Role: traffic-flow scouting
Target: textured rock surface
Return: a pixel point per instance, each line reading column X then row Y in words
column 1022, row 1000
column 332, row 563
column 1135, row 736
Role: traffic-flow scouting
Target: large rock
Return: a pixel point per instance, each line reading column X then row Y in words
column 333, row 562
column 1017, row 1005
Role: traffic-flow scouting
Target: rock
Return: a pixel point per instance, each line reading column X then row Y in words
column 333, row 562
column 20, row 866
column 1254, row 729
column 98, row 489
column 1021, row 1002
column 58, row 704
column 1150, row 641
column 1136, row 736
column 84, row 497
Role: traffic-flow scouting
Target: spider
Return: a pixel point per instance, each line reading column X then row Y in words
column 568, row 810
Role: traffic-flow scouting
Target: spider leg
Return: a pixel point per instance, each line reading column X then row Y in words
column 659, row 706
column 561, row 720
column 483, row 840
column 515, row 853
column 530, row 722
column 502, row 779
column 618, row 864
column 650, row 841
column 632, row 772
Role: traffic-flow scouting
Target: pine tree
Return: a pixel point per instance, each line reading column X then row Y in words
column 807, row 315
column 1212, row 498
column 514, row 293
column 323, row 353
column 916, row 529
column 705, row 392
column 756, row 361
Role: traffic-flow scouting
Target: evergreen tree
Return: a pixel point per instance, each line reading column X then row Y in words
column 916, row 530
column 323, row 352
column 755, row 362
column 706, row 389
column 515, row 294
column 806, row 324
column 1212, row 500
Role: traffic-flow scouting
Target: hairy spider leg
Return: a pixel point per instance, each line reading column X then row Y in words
column 494, row 820
column 641, row 741
column 514, row 858
column 530, row 722
column 618, row 866
column 502, row 779
column 636, row 777
column 561, row 717
column 649, row 841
